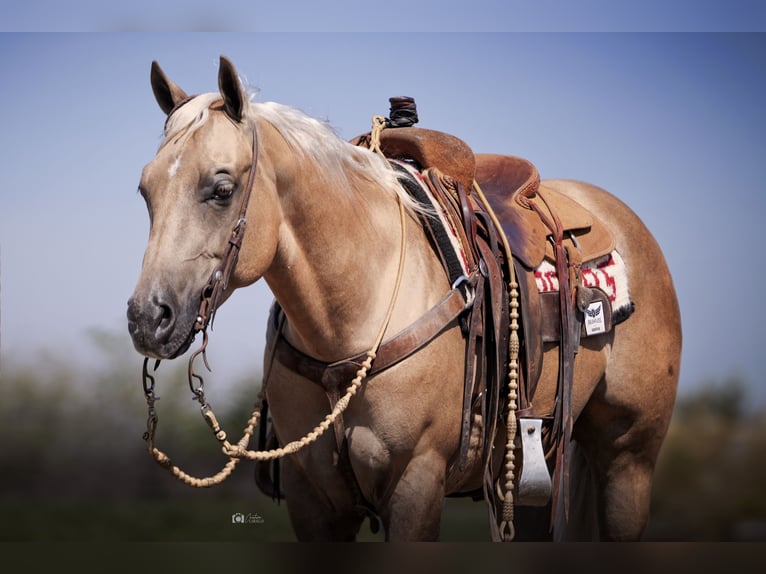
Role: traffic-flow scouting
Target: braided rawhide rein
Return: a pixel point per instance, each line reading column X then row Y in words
column 239, row 450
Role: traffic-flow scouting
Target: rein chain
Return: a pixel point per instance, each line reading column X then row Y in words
column 210, row 295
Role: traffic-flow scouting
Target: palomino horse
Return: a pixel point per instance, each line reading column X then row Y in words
column 330, row 229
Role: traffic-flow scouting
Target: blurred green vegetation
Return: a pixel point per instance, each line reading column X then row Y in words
column 710, row 482
column 73, row 465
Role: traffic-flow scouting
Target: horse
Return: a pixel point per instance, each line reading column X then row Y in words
column 340, row 244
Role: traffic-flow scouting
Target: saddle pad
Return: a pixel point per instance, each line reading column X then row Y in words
column 434, row 207
column 608, row 273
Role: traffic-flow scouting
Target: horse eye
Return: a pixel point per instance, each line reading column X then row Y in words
column 223, row 190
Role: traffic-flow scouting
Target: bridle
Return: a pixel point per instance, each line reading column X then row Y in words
column 219, row 280
column 211, row 295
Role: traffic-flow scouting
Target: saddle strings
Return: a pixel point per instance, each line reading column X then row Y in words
column 506, row 529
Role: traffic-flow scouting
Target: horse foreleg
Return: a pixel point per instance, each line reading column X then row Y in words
column 413, row 510
column 323, row 514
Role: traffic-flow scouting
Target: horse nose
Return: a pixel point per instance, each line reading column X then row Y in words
column 151, row 321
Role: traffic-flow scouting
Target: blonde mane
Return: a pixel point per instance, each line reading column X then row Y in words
column 344, row 165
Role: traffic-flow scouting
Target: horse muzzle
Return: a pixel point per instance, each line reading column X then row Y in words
column 160, row 327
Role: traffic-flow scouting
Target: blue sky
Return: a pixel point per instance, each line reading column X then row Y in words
column 412, row 16
column 673, row 124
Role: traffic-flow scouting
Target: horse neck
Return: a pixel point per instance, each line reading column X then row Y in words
column 337, row 258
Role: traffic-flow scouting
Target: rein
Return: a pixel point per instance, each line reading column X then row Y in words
column 210, row 296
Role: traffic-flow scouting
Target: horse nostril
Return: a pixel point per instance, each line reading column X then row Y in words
column 164, row 320
column 166, row 317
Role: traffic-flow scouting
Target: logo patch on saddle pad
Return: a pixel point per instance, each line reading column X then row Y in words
column 607, row 273
column 594, row 318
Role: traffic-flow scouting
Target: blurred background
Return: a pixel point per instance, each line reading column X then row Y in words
column 673, row 124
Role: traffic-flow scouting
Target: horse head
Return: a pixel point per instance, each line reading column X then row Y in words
column 197, row 190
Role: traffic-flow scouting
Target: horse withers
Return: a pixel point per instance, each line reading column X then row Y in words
column 340, row 243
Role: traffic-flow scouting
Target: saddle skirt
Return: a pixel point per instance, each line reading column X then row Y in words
column 509, row 183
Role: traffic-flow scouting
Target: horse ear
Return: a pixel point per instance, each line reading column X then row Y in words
column 234, row 99
column 167, row 94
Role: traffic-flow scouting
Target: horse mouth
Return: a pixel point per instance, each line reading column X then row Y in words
column 171, row 349
column 185, row 344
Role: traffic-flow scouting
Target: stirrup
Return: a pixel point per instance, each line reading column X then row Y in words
column 535, row 481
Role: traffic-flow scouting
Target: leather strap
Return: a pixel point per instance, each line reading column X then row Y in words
column 473, row 374
column 570, row 328
column 409, row 340
column 550, row 328
column 444, row 190
column 331, row 376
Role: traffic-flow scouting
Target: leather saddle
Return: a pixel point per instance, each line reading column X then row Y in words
column 507, row 181
column 428, row 148
column 510, row 185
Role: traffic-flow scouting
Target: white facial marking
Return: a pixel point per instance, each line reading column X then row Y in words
column 174, row 167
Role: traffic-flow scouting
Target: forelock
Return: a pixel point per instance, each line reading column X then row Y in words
column 189, row 117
